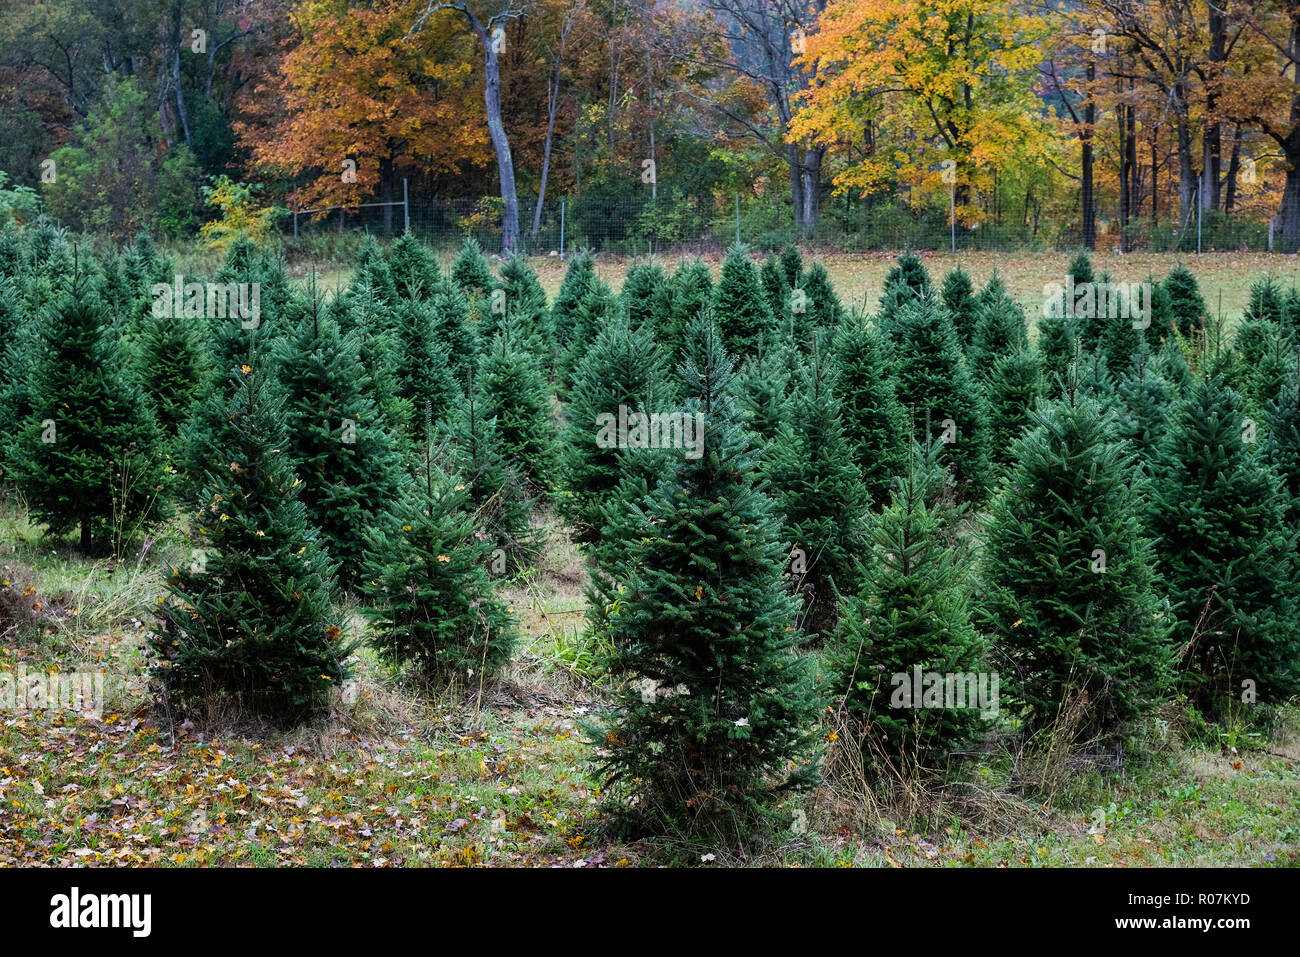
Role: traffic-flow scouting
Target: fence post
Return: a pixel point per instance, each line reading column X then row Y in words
column 406, row 204
column 737, row 219
column 1200, row 205
column 952, row 213
column 295, row 229
column 1270, row 233
column 561, row 230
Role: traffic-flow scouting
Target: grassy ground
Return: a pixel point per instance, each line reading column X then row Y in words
column 496, row 775
column 1225, row 278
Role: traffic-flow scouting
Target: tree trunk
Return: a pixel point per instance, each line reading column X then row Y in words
column 176, row 74
column 1290, row 211
column 1089, row 200
column 796, row 180
column 500, row 141
column 386, row 192
column 1186, row 173
column 810, row 181
column 1234, row 169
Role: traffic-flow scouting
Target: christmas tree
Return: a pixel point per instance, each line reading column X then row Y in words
column 958, row 294
column 906, row 281
column 578, row 280
column 413, row 268
column 739, row 307
column 250, row 619
column 818, row 307
column 621, row 377
column 791, row 266
column 945, row 400
column 518, row 298
column 171, row 358
column 912, row 617
column 875, row 422
column 1218, row 514
column 372, row 267
column 718, row 708
column 1000, row 328
column 430, row 600
column 89, row 453
column 473, row 276
column 775, row 290
column 1186, row 307
column 1071, row 596
column 1146, row 400
column 515, row 394
column 819, row 492
column 1013, row 387
column 642, row 294
column 692, row 295
column 339, row 445
column 421, row 367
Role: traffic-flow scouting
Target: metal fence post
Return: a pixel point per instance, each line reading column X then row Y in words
column 406, row 204
column 561, row 230
column 737, row 219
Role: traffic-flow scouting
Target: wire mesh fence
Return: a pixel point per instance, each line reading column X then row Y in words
column 671, row 224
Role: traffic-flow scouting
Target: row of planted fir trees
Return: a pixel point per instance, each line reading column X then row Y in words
column 1107, row 517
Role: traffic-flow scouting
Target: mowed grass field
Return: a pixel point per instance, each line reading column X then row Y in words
column 1225, row 278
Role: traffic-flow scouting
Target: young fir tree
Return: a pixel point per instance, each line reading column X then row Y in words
column 740, row 308
column 421, row 367
column 451, row 328
column 171, row 359
column 515, row 394
column 642, row 293
column 720, row 707
column 692, row 295
column 946, row 401
column 1264, row 376
column 1186, row 307
column 429, row 597
column 21, row 342
column 349, row 461
column 1171, row 364
column 519, row 299
column 598, row 310
column 791, row 265
column 907, row 281
column 472, row 274
column 89, row 453
column 875, row 422
column 819, row 493
column 578, row 280
column 913, row 613
column 414, row 270
column 775, row 290
column 1281, row 444
column 360, row 311
column 372, row 267
column 497, row 492
column 818, row 307
column 958, row 294
column 1146, row 401
column 1057, row 346
column 1218, row 514
column 1013, row 387
column 1071, row 595
column 761, row 392
column 621, row 376
column 1080, row 268
column 1000, row 328
column 250, row 619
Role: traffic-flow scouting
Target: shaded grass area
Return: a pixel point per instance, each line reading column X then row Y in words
column 400, row 775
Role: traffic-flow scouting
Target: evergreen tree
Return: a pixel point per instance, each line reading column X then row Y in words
column 20, row 345
column 1013, row 387
column 959, row 296
column 522, row 302
column 340, row 447
column 501, row 500
column 1218, row 514
column 721, row 708
column 1057, row 345
column 875, row 422
column 821, row 307
column 372, row 267
column 945, row 399
column 1000, row 328
column 472, row 274
column 1146, row 402
column 171, row 368
column 1172, row 366
column 414, row 270
column 1071, row 596
column 775, row 290
column 430, row 599
column 739, row 307
column 90, row 452
column 1081, row 268
column 578, row 280
column 250, row 619
column 514, row 393
column 819, row 492
column 791, row 266
column 642, row 293
column 906, row 281
column 598, row 310
column 692, row 295
column 1186, row 307
column 760, row 391
column 1281, row 444
column 912, row 614
column 421, row 367
column 622, row 371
